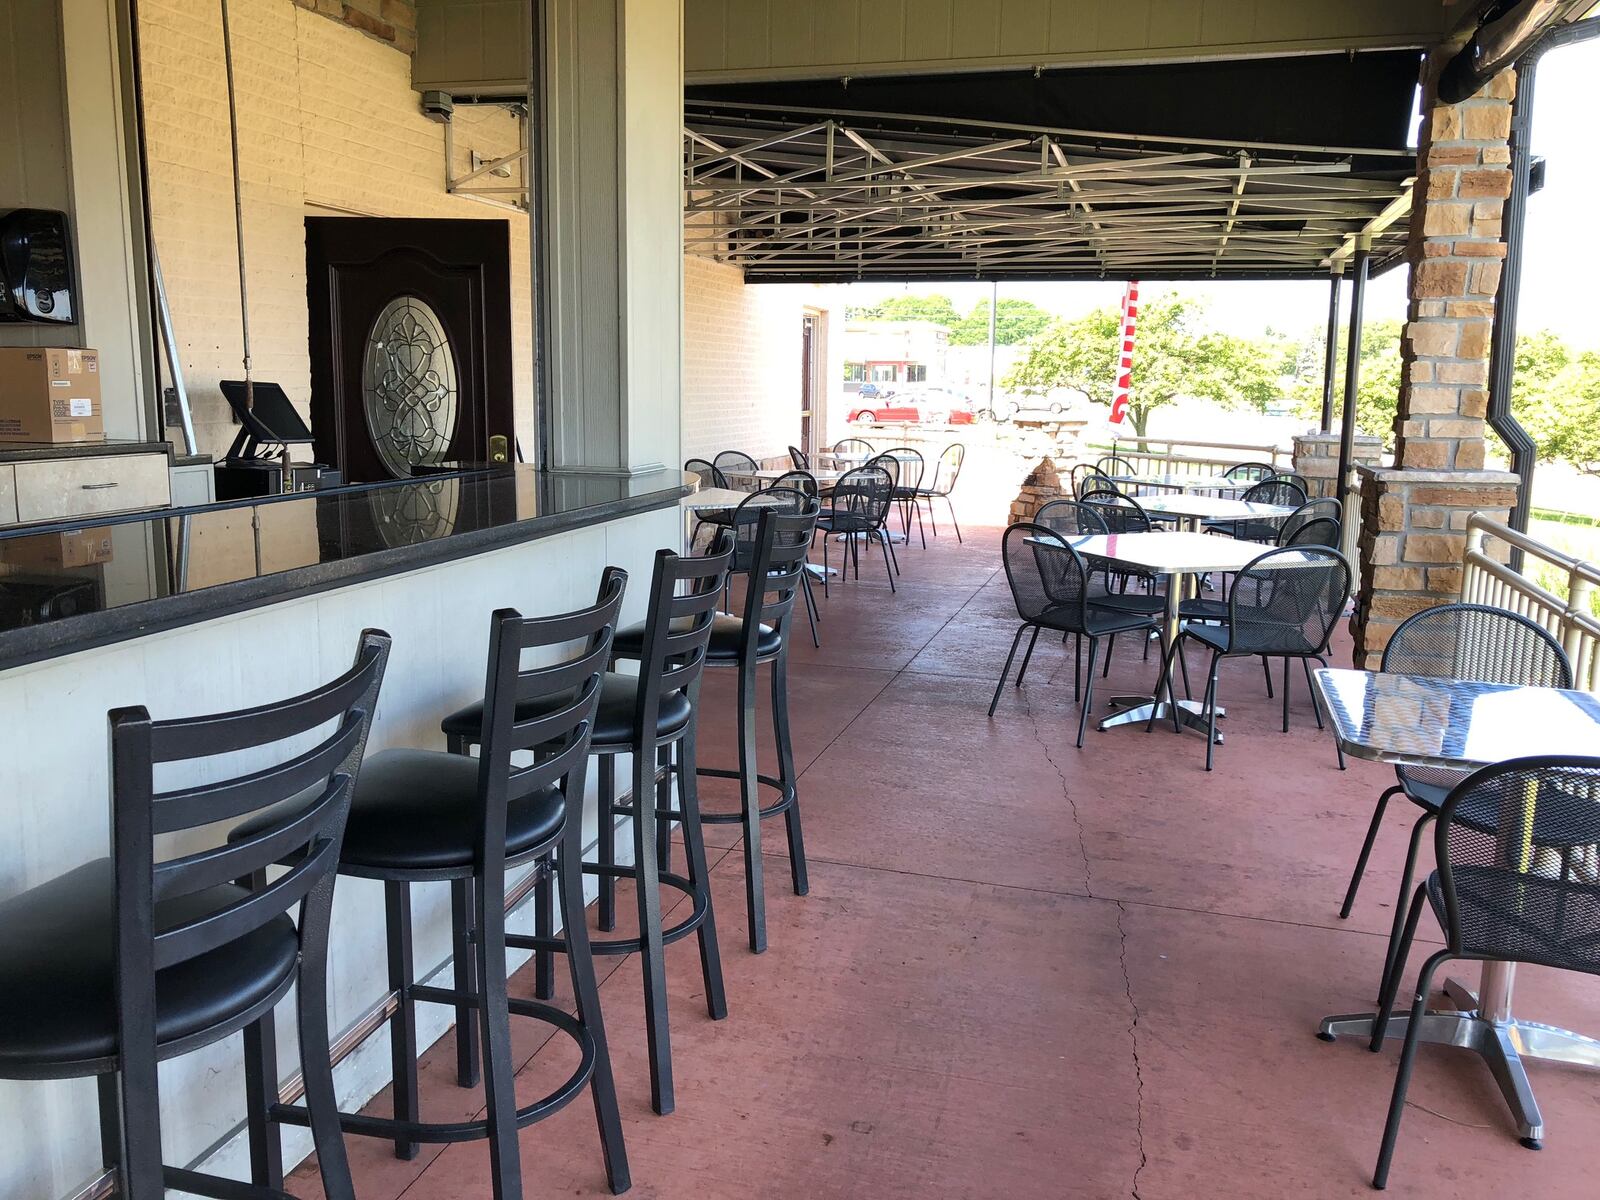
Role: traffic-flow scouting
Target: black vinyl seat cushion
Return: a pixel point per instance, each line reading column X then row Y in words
column 613, row 722
column 57, row 970
column 726, row 631
column 417, row 810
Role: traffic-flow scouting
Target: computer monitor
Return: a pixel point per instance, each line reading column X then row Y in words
column 272, row 420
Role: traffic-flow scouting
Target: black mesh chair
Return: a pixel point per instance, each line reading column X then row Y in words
column 1111, row 464
column 650, row 716
column 1283, row 604
column 427, row 815
column 148, row 955
column 854, row 445
column 1052, row 589
column 1298, row 480
column 1269, row 491
column 709, row 476
column 772, row 554
column 1454, row 641
column 1322, row 508
column 1087, row 478
column 1253, row 472
column 1501, row 895
column 805, row 483
column 1319, row 531
column 911, row 471
column 945, row 474
column 858, row 508
column 799, row 459
column 736, row 465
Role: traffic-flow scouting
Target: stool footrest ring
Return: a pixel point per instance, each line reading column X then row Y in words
column 787, row 794
column 468, row 1131
column 630, row 945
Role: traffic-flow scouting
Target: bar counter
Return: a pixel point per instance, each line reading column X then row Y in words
column 229, row 606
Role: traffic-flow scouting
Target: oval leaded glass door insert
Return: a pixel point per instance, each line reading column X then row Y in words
column 408, row 385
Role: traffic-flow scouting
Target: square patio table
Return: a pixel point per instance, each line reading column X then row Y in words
column 1214, row 484
column 1190, row 509
column 770, row 474
column 1178, row 556
column 1422, row 721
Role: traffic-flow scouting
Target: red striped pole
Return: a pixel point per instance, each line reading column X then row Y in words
column 1130, row 318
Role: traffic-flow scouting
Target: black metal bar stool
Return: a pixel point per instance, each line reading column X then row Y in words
column 650, row 716
column 771, row 552
column 423, row 815
column 127, row 961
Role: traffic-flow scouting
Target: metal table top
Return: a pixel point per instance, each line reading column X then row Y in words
column 1200, row 507
column 1172, row 553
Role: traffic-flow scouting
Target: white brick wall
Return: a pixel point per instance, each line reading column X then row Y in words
column 742, row 365
column 328, row 124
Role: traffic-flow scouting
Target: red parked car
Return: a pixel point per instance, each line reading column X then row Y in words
column 933, row 404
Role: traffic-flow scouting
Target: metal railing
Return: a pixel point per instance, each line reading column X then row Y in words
column 1570, row 618
column 1175, row 456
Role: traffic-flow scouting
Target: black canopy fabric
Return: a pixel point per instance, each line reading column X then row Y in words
column 1248, row 169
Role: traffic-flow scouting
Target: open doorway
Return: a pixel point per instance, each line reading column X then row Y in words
column 808, row 381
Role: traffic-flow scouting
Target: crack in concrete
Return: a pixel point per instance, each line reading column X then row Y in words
column 1066, row 794
column 1133, row 1039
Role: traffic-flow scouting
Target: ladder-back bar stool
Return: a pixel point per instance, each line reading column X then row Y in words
column 127, row 961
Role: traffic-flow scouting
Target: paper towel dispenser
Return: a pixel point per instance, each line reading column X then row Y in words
column 36, row 281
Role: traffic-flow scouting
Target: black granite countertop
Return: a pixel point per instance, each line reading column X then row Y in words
column 33, row 451
column 145, row 572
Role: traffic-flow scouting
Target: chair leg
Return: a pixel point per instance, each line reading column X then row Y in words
column 1266, row 669
column 951, row 504
column 463, row 954
column 1316, row 708
column 261, row 1093
column 316, row 1053
column 403, row 1025
column 1391, row 985
column 586, row 996
column 811, row 606
column 664, row 804
column 544, row 966
column 825, row 536
column 499, row 1087
column 1311, row 691
column 1006, row 670
column 694, row 852
column 1285, row 692
column 1211, row 708
column 1088, row 691
column 922, row 530
column 887, row 551
column 647, row 895
column 607, row 906
column 1402, row 1079
column 1391, row 962
column 1111, row 645
column 1077, row 668
column 786, row 775
column 1366, row 852
column 750, row 812
column 1028, row 657
column 889, row 545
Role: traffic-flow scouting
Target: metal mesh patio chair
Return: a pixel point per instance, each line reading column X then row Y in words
column 945, row 473
column 858, row 508
column 1321, row 507
column 854, row 445
column 1501, row 896
column 799, row 459
column 1087, row 478
column 1251, row 471
column 1051, row 588
column 908, row 487
column 1283, row 604
column 734, row 464
column 1454, row 641
column 1320, row 531
column 806, row 483
column 1269, row 491
column 1121, row 513
column 1297, row 479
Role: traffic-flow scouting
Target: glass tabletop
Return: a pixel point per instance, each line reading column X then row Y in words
column 1423, row 721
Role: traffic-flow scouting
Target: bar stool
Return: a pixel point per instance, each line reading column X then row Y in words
column 650, row 716
column 772, row 552
column 422, row 815
column 134, row 959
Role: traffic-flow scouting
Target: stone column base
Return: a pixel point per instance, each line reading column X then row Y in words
column 1413, row 539
column 1316, row 456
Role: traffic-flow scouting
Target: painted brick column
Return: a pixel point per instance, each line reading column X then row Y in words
column 1413, row 530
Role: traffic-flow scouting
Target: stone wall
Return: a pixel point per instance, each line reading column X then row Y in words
column 1316, row 458
column 1046, row 450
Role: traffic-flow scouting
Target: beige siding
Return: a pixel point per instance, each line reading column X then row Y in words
column 328, row 124
column 753, row 39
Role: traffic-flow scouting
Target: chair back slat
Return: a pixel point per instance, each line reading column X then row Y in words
column 678, row 622
column 310, row 840
column 1477, row 642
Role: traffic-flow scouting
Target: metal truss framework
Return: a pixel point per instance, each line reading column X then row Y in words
column 811, row 195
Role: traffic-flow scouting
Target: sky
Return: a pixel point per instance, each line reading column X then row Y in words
column 1561, row 260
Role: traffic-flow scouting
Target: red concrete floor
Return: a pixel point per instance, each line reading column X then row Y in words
column 1026, row 970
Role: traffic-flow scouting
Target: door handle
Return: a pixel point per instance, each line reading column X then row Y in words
column 499, row 448
column 95, row 487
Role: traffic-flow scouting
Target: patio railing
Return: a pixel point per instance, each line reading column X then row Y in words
column 1174, row 456
column 1568, row 615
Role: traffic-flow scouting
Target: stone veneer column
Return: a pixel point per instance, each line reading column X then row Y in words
column 1414, row 517
column 1316, row 458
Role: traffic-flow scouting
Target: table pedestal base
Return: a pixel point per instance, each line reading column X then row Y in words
column 1137, row 709
column 1501, row 1044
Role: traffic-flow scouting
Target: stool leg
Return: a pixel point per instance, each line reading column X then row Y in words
column 109, row 1108
column 586, row 994
column 694, row 850
column 316, row 1053
column 499, row 1087
column 780, row 734
column 750, row 810
column 261, row 1093
column 608, row 842
column 664, row 804
column 544, row 964
column 403, row 1025
column 647, row 892
column 464, row 960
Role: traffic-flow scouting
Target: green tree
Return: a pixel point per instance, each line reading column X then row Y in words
column 1174, row 356
column 936, row 308
column 1377, row 387
column 1563, row 415
column 1014, row 321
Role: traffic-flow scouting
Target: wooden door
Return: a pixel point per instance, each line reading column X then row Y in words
column 410, row 343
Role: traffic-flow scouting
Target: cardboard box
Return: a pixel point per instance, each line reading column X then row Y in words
column 80, row 548
column 50, row 395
